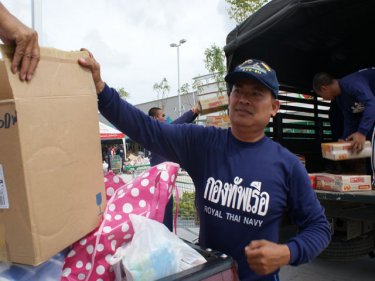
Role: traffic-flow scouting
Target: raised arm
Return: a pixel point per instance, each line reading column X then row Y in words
column 171, row 142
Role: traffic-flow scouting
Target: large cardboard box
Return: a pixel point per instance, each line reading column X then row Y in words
column 220, row 121
column 213, row 104
column 51, row 179
column 333, row 182
column 341, row 151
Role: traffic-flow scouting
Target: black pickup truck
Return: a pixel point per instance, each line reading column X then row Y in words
column 299, row 39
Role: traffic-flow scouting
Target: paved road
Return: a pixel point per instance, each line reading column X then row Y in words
column 362, row 269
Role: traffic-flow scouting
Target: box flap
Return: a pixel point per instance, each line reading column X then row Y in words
column 56, row 72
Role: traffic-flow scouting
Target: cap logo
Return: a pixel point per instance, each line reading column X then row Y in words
column 256, row 67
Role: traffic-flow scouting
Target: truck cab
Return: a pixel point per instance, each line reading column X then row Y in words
column 299, row 39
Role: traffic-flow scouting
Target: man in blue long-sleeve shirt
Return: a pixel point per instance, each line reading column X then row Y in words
column 355, row 96
column 186, row 118
column 244, row 181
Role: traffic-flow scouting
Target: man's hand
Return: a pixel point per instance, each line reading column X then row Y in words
column 197, row 109
column 91, row 64
column 358, row 141
column 27, row 54
column 265, row 257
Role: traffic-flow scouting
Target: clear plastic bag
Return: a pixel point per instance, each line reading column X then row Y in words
column 153, row 253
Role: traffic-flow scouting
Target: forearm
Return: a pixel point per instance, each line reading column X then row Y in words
column 123, row 115
column 350, row 126
column 309, row 243
column 8, row 25
column 367, row 122
column 284, row 255
column 187, row 117
column 4, row 14
column 314, row 233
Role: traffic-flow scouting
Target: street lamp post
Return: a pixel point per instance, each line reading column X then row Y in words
column 177, row 45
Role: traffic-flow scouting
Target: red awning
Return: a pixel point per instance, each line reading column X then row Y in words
column 107, row 132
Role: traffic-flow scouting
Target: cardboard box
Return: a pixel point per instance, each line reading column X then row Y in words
column 341, row 151
column 50, row 162
column 333, row 182
column 214, row 104
column 220, row 121
column 312, row 177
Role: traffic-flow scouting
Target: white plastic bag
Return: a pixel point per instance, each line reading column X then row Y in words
column 153, row 253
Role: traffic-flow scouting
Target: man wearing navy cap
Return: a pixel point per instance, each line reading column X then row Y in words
column 244, row 181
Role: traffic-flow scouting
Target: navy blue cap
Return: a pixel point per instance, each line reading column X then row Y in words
column 258, row 70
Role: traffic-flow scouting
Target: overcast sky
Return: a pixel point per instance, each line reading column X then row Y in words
column 131, row 39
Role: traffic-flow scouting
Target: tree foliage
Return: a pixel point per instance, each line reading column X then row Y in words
column 162, row 90
column 214, row 63
column 197, row 86
column 240, row 10
column 185, row 88
column 124, row 94
column 214, row 60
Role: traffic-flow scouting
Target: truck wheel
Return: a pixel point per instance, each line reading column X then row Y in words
column 341, row 250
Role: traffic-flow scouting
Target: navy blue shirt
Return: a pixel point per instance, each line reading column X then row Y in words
column 242, row 189
column 187, row 117
column 357, row 102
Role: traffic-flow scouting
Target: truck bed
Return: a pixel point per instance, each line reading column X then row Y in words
column 365, row 197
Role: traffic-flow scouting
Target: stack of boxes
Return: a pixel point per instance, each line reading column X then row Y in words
column 337, row 151
column 220, row 121
column 341, row 183
column 214, row 104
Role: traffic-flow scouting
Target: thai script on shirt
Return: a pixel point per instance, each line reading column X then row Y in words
column 234, row 195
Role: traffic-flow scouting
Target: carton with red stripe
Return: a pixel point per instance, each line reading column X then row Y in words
column 343, row 183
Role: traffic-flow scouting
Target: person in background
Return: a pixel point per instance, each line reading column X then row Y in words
column 27, row 54
column 120, row 152
column 244, row 181
column 188, row 117
column 337, row 121
column 355, row 96
column 109, row 157
column 105, row 166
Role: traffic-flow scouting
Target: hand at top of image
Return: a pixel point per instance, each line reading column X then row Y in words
column 27, row 54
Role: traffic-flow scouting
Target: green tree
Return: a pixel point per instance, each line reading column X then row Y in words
column 214, row 63
column 240, row 10
column 124, row 94
column 198, row 86
column 162, row 90
column 185, row 88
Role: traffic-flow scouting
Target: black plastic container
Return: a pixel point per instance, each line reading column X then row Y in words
column 219, row 267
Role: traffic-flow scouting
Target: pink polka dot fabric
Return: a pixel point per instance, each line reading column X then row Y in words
column 146, row 195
